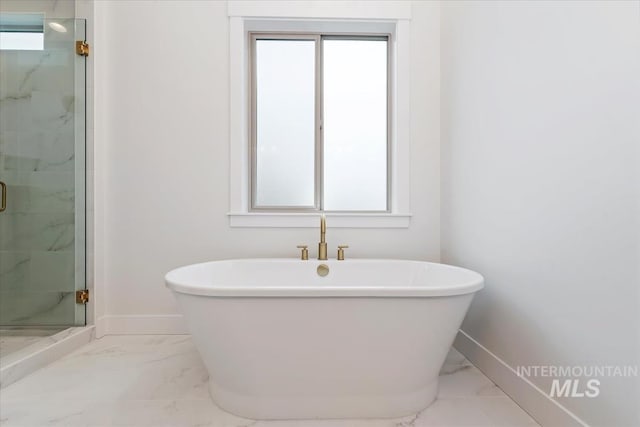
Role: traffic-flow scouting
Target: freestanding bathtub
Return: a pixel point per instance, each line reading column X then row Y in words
column 282, row 342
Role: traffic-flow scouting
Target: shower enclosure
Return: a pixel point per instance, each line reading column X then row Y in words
column 42, row 170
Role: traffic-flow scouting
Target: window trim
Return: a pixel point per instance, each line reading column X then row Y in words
column 318, row 37
column 387, row 16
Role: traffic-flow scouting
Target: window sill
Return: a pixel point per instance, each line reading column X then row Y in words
column 310, row 220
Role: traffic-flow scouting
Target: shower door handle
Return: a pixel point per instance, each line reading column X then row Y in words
column 3, row 206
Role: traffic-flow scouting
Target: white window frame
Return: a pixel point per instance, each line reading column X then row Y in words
column 392, row 17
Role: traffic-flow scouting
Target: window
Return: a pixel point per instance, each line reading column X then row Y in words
column 21, row 31
column 320, row 122
column 328, row 18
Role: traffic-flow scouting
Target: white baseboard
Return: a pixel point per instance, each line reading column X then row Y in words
column 530, row 397
column 49, row 349
column 152, row 324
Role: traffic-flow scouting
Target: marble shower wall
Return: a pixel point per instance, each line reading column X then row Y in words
column 38, row 163
column 51, row 8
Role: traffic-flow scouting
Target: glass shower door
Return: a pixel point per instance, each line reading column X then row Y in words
column 42, row 163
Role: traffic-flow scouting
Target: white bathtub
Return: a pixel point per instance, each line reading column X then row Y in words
column 281, row 342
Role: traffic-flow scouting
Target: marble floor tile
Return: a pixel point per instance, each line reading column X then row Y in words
column 467, row 381
column 131, row 367
column 156, row 381
column 473, row 412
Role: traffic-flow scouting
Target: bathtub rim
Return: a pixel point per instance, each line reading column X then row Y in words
column 466, row 287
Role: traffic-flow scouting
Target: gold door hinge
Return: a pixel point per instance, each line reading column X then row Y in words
column 82, row 48
column 82, row 296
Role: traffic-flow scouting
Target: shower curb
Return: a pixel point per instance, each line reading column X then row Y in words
column 22, row 363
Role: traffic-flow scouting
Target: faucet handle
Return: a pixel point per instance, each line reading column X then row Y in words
column 341, row 249
column 304, row 255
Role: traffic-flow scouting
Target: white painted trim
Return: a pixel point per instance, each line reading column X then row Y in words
column 238, row 113
column 310, row 220
column 525, row 393
column 321, row 9
column 150, row 324
column 49, row 349
column 248, row 15
column 401, row 122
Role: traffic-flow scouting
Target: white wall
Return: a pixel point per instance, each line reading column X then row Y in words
column 163, row 121
column 541, row 136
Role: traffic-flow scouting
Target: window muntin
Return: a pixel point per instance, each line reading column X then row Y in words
column 351, row 162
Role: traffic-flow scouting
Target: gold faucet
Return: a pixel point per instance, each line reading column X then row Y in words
column 322, row 246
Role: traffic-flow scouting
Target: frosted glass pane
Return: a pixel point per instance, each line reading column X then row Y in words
column 285, row 123
column 21, row 41
column 355, row 125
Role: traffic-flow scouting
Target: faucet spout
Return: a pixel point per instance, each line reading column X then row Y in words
column 322, row 246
